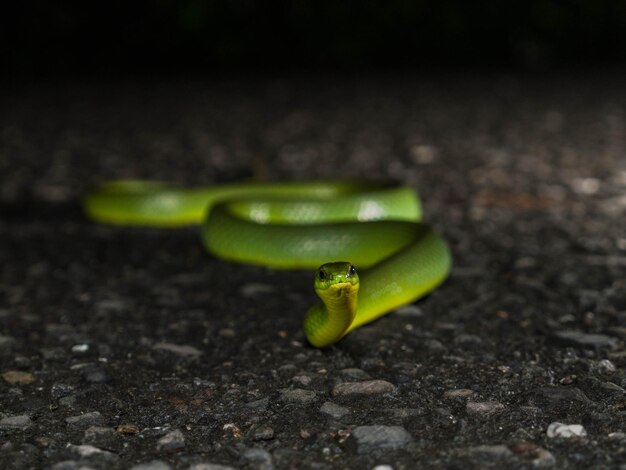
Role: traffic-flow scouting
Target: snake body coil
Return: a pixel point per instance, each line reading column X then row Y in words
column 302, row 225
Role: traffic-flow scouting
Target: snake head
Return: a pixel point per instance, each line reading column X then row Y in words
column 336, row 275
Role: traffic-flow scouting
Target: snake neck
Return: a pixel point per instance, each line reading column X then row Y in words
column 327, row 322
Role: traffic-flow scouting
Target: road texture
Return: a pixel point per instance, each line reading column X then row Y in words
column 133, row 348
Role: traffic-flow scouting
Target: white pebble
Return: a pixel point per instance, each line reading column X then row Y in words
column 606, row 366
column 557, row 429
column 80, row 348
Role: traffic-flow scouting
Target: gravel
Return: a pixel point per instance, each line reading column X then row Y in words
column 369, row 387
column 122, row 347
column 85, row 420
column 173, row 441
column 557, row 429
column 578, row 338
column 297, row 395
column 20, row 422
column 479, row 408
column 365, row 439
column 334, row 410
column 16, row 377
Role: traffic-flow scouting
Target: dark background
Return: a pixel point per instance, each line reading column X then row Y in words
column 40, row 37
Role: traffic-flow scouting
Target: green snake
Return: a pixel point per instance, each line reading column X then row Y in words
column 295, row 225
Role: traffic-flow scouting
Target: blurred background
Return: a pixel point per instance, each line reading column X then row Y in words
column 199, row 91
column 39, row 37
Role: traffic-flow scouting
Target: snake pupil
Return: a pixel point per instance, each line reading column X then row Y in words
column 322, row 275
column 351, row 271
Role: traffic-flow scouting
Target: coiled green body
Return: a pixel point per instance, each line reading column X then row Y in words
column 376, row 227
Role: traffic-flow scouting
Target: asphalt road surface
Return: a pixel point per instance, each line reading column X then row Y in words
column 126, row 347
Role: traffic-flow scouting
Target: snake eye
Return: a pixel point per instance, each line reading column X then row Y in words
column 322, row 274
column 351, row 271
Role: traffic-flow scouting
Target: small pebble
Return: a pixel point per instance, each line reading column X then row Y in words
column 254, row 289
column 372, row 363
column 80, row 349
column 423, row 154
column 587, row 340
column 297, row 395
column 334, row 410
column 102, row 437
column 365, row 439
column 85, row 420
column 483, row 407
column 369, row 387
column 20, row 422
column 87, row 451
column 605, row 366
column 113, row 305
column 233, row 430
column 227, row 333
column 183, row 350
column 60, row 390
column 16, row 377
column 68, row 401
column 95, row 375
column 434, row 345
column 200, row 382
column 557, row 429
column 466, row 339
column 127, row 429
column 173, row 441
column 458, row 393
column 302, row 380
column 409, row 311
column 560, row 396
column 256, row 455
column 259, row 405
column 286, row 369
column 491, row 452
column 264, row 433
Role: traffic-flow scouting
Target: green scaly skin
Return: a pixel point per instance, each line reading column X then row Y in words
column 302, row 225
column 337, row 284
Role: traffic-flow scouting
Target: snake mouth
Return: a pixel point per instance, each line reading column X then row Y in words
column 341, row 289
column 338, row 289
